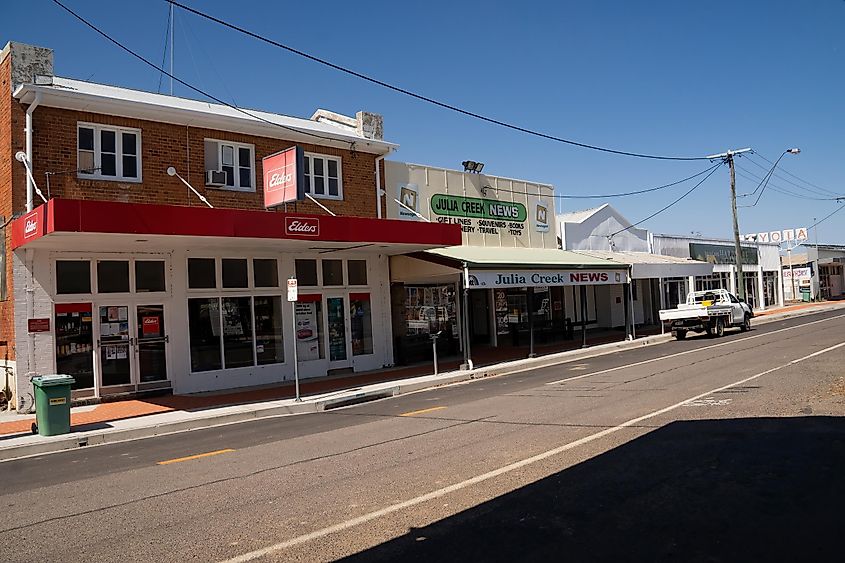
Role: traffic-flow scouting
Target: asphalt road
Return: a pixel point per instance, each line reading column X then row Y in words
column 709, row 449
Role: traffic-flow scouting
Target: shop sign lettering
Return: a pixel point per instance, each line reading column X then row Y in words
column 495, row 279
column 302, row 226
column 477, row 208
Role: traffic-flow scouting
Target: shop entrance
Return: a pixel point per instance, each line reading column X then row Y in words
column 338, row 332
column 479, row 316
column 132, row 345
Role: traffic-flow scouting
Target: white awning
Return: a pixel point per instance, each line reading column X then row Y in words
column 645, row 265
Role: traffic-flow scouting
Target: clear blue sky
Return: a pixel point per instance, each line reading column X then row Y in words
column 664, row 77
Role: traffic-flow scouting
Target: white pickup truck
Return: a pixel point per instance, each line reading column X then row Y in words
column 709, row 311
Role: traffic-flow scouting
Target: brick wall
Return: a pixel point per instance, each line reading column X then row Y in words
column 163, row 145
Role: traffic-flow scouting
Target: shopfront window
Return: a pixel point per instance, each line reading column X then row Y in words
column 265, row 272
column 361, row 324
column 75, row 343
column 306, row 272
column 113, row 276
column 430, row 309
column 356, row 271
column 237, row 332
column 332, row 272
column 73, row 276
column 149, row 276
column 204, row 329
column 235, row 273
column 269, row 345
column 202, row 273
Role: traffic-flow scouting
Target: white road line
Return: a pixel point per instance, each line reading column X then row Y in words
column 339, row 527
column 582, row 376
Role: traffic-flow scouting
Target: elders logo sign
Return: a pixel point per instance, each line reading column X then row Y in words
column 302, row 226
column 30, row 228
column 284, row 177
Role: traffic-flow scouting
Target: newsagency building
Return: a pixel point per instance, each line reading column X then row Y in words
column 507, row 285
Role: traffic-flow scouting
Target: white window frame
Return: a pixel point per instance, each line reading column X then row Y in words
column 97, row 174
column 309, row 187
column 236, row 164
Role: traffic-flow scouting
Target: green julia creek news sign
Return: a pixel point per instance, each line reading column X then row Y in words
column 476, row 208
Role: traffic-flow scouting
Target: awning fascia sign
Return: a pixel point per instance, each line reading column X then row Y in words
column 532, row 278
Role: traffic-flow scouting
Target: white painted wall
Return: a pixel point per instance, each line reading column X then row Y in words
column 593, row 232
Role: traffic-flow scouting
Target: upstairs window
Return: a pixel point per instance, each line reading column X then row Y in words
column 108, row 153
column 322, row 176
column 229, row 165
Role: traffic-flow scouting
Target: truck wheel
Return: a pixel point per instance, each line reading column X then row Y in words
column 720, row 328
column 679, row 334
column 708, row 329
column 746, row 324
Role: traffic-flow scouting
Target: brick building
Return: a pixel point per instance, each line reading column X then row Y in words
column 122, row 276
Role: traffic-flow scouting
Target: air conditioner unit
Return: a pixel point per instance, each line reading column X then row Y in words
column 215, row 177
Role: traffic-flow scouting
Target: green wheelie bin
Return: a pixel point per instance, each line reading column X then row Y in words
column 52, row 404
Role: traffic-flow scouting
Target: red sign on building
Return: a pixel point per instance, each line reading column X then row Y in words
column 151, row 326
column 302, row 226
column 284, row 177
column 38, row 325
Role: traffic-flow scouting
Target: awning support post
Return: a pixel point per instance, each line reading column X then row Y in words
column 633, row 333
column 531, row 353
column 467, row 357
column 583, row 316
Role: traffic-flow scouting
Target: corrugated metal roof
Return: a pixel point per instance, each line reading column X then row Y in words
column 580, row 216
column 497, row 257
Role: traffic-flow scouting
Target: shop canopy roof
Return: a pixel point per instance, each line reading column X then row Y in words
column 645, row 265
column 493, row 257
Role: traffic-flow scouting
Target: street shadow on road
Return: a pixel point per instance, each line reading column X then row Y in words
column 761, row 489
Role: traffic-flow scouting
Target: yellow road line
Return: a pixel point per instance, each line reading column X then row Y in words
column 197, row 456
column 423, row 411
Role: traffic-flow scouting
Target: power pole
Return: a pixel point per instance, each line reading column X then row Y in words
column 728, row 158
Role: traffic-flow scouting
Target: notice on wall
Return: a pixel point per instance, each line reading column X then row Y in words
column 307, row 338
column 501, row 302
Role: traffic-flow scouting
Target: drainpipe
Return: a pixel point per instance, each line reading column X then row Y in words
column 379, row 160
column 28, row 131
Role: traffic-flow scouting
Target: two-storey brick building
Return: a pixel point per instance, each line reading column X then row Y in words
column 122, row 276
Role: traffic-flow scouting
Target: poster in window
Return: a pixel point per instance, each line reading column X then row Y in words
column 307, row 338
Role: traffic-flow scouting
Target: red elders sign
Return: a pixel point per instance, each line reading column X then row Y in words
column 284, row 177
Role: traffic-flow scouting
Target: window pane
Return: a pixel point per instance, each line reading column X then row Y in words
column 149, row 275
column 361, row 325
column 73, row 276
column 245, row 177
column 107, row 141
column 319, row 186
column 306, row 272
column 129, row 141
column 333, row 187
column 130, row 167
column 113, row 276
column 307, row 163
column 234, row 272
column 237, row 332
column 86, row 138
column 228, row 155
column 332, row 272
column 357, row 272
column 244, row 157
column 332, row 168
column 307, row 183
column 318, row 166
column 108, row 165
column 201, row 273
column 265, row 273
column 230, row 175
column 309, row 336
column 204, row 329
column 86, row 162
column 269, row 346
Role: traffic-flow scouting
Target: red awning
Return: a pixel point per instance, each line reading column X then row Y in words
column 106, row 217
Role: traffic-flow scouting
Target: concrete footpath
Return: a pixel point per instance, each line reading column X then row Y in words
column 208, row 411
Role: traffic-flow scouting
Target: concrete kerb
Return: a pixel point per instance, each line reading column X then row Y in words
column 174, row 422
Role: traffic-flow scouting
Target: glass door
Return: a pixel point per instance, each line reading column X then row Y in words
column 75, row 343
column 114, row 344
column 337, row 332
column 151, row 344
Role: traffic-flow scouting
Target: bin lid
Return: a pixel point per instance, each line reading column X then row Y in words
column 50, row 380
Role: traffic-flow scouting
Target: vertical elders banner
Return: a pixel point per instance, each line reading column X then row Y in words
column 284, row 177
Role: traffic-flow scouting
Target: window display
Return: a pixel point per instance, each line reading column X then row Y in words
column 309, row 328
column 75, row 343
column 361, row 323
column 269, row 344
column 430, row 309
column 337, row 329
column 204, row 328
column 237, row 332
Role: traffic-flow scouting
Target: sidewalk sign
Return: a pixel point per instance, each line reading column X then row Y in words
column 293, row 296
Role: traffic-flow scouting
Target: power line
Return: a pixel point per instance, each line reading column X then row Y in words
column 820, row 191
column 421, row 97
column 186, row 84
column 710, row 171
column 748, row 175
column 796, row 177
column 602, row 196
column 164, row 52
column 840, row 208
